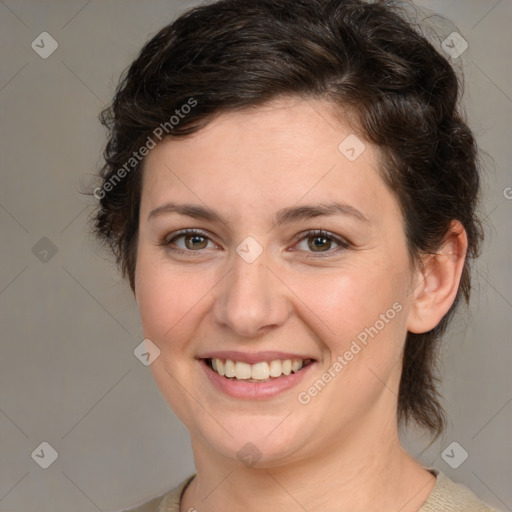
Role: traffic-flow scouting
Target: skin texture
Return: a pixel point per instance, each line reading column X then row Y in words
column 341, row 450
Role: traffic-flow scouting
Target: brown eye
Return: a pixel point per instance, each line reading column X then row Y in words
column 195, row 242
column 188, row 241
column 319, row 243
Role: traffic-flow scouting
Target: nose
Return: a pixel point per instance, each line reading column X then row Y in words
column 251, row 299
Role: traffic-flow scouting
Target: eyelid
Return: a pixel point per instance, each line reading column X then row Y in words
column 187, row 231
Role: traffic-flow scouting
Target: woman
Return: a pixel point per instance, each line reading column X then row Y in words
column 291, row 190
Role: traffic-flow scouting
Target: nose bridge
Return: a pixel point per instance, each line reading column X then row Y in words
column 250, row 298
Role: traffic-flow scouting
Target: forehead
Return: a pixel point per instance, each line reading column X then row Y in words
column 283, row 153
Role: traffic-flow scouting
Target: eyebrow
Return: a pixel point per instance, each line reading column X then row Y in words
column 283, row 216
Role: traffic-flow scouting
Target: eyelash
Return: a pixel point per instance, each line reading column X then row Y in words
column 313, row 233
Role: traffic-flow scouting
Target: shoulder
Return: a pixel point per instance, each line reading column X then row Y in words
column 168, row 502
column 448, row 496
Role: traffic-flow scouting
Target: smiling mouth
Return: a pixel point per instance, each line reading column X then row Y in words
column 259, row 372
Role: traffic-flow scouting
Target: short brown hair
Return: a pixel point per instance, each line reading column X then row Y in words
column 366, row 59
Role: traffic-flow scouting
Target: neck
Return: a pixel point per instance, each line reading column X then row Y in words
column 366, row 470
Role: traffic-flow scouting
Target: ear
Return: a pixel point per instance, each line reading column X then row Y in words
column 437, row 281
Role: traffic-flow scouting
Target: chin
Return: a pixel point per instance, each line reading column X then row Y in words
column 256, row 441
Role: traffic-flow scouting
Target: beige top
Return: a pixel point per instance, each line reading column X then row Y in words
column 446, row 496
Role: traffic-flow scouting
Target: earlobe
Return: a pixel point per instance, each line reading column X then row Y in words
column 438, row 281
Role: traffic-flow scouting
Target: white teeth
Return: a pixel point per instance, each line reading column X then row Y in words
column 229, row 368
column 296, row 365
column 275, row 368
column 259, row 371
column 242, row 371
column 221, row 369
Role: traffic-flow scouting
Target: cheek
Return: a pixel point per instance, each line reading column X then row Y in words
column 362, row 334
column 166, row 299
column 352, row 299
column 362, row 315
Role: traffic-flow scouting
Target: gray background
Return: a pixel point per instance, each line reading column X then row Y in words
column 68, row 375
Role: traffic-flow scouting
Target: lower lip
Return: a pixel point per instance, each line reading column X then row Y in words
column 241, row 389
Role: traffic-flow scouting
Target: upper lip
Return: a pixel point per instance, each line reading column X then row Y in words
column 252, row 357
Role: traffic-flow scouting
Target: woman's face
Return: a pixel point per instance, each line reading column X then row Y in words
column 251, row 285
